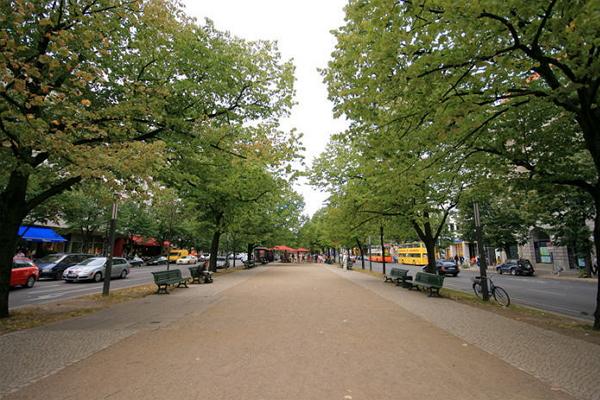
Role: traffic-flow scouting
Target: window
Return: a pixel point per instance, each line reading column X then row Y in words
column 542, row 252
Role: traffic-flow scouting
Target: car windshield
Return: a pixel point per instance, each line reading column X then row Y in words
column 93, row 262
column 51, row 258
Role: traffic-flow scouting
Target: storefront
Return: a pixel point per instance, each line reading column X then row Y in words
column 38, row 241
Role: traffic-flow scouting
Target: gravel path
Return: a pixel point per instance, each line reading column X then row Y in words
column 292, row 332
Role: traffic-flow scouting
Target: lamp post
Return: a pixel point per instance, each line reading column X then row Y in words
column 111, row 246
column 382, row 247
column 482, row 262
column 370, row 263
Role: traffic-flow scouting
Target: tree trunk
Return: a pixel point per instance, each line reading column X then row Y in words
column 12, row 211
column 249, row 251
column 430, row 247
column 362, row 253
column 597, row 248
column 382, row 247
column 214, row 249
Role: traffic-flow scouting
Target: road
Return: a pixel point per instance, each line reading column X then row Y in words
column 46, row 291
column 567, row 297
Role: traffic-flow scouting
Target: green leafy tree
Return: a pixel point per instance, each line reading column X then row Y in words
column 474, row 78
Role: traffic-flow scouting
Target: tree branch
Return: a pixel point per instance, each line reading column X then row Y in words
column 55, row 189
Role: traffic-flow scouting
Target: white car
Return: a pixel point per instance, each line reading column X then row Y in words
column 94, row 269
column 187, row 260
column 222, row 262
column 238, row 257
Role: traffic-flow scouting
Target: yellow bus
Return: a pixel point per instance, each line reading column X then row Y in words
column 376, row 255
column 412, row 254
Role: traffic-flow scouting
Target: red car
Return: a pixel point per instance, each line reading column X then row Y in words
column 24, row 272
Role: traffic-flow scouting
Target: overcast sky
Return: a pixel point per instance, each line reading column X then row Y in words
column 302, row 30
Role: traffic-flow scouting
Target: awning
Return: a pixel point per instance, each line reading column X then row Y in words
column 39, row 234
column 302, row 250
column 283, row 248
column 148, row 242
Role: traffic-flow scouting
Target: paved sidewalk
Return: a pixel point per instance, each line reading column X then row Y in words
column 30, row 355
column 562, row 362
column 285, row 332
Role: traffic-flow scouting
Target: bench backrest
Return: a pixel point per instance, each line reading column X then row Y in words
column 430, row 279
column 194, row 271
column 166, row 275
column 398, row 273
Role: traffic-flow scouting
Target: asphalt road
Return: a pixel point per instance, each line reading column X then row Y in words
column 46, row 291
column 567, row 297
column 572, row 298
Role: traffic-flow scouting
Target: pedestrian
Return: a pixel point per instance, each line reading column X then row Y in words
column 557, row 269
column 456, row 260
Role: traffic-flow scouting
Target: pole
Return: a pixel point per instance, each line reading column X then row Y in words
column 111, row 245
column 171, row 215
column 370, row 263
column 482, row 263
column 382, row 247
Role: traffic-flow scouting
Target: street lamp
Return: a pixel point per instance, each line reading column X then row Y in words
column 111, row 246
column 482, row 262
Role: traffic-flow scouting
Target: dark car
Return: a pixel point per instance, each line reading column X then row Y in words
column 135, row 261
column 516, row 267
column 53, row 265
column 445, row 267
column 160, row 260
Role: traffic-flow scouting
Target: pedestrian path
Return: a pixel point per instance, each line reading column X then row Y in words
column 33, row 354
column 280, row 332
column 563, row 362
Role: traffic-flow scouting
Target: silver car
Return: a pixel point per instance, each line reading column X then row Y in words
column 94, row 269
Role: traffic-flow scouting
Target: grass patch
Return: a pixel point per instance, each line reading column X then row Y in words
column 543, row 319
column 534, row 316
column 35, row 316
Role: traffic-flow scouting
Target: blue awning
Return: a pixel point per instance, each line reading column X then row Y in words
column 38, row 234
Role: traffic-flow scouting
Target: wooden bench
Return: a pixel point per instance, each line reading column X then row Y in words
column 400, row 276
column 165, row 278
column 198, row 273
column 249, row 263
column 429, row 282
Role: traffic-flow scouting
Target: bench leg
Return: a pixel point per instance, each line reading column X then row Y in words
column 183, row 282
column 162, row 288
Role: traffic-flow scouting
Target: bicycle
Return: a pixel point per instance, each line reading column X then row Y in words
column 499, row 294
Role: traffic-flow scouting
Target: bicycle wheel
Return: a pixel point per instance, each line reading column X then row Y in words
column 477, row 289
column 501, row 296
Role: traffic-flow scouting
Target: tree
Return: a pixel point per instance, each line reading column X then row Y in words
column 467, row 74
column 87, row 209
column 94, row 90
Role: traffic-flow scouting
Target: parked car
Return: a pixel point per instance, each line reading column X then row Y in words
column 521, row 266
column 53, row 265
column 135, row 261
column 94, row 269
column 238, row 257
column 24, row 272
column 187, row 260
column 160, row 260
column 222, row 262
column 445, row 267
